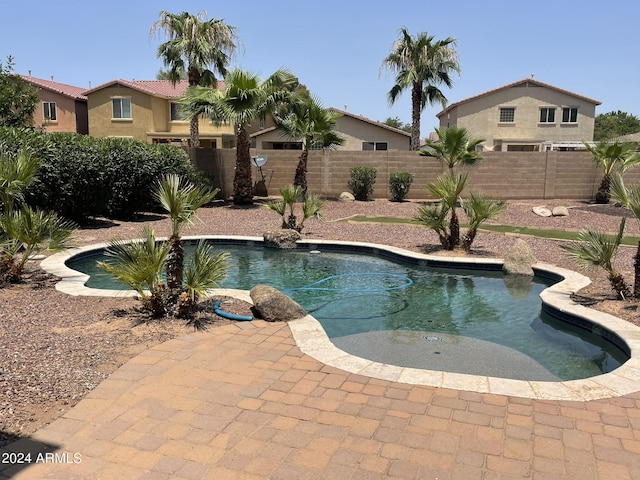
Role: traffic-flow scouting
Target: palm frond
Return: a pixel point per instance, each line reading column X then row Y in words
column 205, row 270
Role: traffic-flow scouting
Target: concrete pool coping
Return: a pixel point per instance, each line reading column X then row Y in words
column 313, row 341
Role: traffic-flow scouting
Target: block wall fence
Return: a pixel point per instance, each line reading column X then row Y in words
column 501, row 175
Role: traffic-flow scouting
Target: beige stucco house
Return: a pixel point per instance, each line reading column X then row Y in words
column 147, row 110
column 62, row 107
column 527, row 115
column 359, row 132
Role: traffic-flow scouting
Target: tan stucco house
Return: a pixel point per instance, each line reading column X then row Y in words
column 527, row 115
column 147, row 110
column 62, row 107
column 359, row 132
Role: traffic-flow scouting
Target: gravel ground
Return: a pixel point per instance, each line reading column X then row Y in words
column 55, row 348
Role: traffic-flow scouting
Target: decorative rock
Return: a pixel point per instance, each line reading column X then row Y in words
column 560, row 211
column 347, row 197
column 274, row 306
column 542, row 211
column 519, row 259
column 282, row 239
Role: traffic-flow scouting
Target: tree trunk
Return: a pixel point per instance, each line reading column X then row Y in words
column 416, row 110
column 468, row 238
column 300, row 179
column 636, row 273
column 242, row 188
column 175, row 264
column 194, row 132
column 454, row 229
column 603, row 194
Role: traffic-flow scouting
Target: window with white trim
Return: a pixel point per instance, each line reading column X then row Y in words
column 375, row 146
column 547, row 114
column 49, row 111
column 569, row 114
column 121, row 107
column 507, row 115
column 174, row 112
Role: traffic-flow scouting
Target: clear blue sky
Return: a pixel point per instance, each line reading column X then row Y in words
column 336, row 47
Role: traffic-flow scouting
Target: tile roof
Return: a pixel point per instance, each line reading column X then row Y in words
column 157, row 88
column 515, row 84
column 62, row 88
column 368, row 120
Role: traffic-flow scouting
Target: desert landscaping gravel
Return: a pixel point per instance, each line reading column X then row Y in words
column 55, row 348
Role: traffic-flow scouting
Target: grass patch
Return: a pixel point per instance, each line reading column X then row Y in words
column 534, row 232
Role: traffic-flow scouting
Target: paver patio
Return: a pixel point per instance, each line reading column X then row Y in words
column 243, row 402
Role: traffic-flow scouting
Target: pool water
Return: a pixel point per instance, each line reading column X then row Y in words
column 356, row 297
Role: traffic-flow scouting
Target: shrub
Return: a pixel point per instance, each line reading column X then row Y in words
column 362, row 181
column 399, row 183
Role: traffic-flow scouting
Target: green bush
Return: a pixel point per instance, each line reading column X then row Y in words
column 83, row 177
column 399, row 183
column 362, row 181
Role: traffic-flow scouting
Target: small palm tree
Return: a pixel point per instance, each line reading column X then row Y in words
column 181, row 199
column 194, row 45
column 611, row 156
column 422, row 64
column 311, row 207
column 434, row 217
column 16, row 174
column 308, row 122
column 598, row 249
column 454, row 147
column 630, row 198
column 448, row 188
column 479, row 208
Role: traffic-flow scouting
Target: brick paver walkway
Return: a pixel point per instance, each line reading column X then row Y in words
column 243, row 402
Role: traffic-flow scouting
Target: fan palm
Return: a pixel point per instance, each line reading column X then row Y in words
column 308, row 122
column 479, row 208
column 245, row 98
column 422, row 65
column 609, row 156
column 448, row 187
column 311, row 207
column 181, row 199
column 434, row 217
column 194, row 44
column 454, row 147
column 16, row 174
column 630, row 198
column 593, row 248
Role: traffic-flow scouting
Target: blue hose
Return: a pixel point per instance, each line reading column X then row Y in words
column 228, row 315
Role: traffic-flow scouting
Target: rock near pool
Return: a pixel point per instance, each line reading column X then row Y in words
column 284, row 239
column 275, row 306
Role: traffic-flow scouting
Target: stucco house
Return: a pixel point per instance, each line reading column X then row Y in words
column 147, row 110
column 62, row 107
column 360, row 133
column 527, row 115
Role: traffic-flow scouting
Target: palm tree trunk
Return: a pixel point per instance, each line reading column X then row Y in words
column 454, row 228
column 468, row 238
column 603, row 195
column 636, row 281
column 194, row 132
column 175, row 264
column 300, row 179
column 416, row 109
column 242, row 188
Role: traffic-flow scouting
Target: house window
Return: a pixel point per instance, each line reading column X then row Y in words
column 547, row 115
column 375, row 146
column 175, row 114
column 121, row 107
column 49, row 111
column 507, row 114
column 569, row 114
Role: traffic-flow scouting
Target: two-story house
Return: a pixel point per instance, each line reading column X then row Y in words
column 62, row 107
column 147, row 110
column 527, row 115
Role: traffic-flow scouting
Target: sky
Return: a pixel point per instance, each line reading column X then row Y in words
column 336, row 48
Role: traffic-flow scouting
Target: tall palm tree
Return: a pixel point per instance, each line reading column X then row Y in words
column 180, row 199
column 308, row 122
column 611, row 156
column 422, row 64
column 454, row 147
column 194, row 44
column 245, row 98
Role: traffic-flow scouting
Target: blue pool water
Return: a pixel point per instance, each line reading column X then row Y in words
column 354, row 295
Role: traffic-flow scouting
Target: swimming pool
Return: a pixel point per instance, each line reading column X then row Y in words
column 404, row 311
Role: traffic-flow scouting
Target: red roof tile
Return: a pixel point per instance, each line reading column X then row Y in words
column 62, row 88
column 157, row 88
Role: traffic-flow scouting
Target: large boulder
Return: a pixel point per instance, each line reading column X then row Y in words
column 560, row 211
column 542, row 211
column 347, row 197
column 273, row 305
column 284, row 239
column 519, row 259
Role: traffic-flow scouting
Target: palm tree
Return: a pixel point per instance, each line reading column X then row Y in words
column 479, row 208
column 630, row 198
column 245, row 98
column 598, row 249
column 422, row 65
column 308, row 122
column 194, row 44
column 448, row 187
column 16, row 174
column 454, row 147
column 311, row 207
column 611, row 155
column 180, row 199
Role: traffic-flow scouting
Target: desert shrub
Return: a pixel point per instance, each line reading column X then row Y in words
column 83, row 177
column 361, row 182
column 399, row 183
